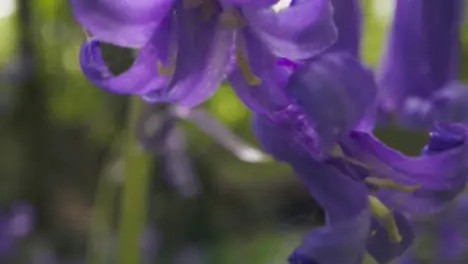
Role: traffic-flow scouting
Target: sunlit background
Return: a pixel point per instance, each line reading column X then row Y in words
column 59, row 155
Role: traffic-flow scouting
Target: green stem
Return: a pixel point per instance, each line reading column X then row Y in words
column 135, row 190
column 101, row 220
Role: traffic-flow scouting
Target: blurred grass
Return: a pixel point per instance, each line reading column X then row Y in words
column 7, row 40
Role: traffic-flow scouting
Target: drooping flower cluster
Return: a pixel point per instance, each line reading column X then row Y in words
column 296, row 65
column 419, row 73
column 187, row 47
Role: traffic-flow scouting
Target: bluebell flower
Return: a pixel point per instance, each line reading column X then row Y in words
column 272, row 97
column 418, row 78
column 189, row 46
column 348, row 20
column 348, row 171
column 317, row 115
column 446, row 229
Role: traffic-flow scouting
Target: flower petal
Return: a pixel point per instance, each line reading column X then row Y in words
column 343, row 199
column 274, row 140
column 381, row 248
column 442, row 24
column 128, row 23
column 320, row 179
column 269, row 95
column 451, row 103
column 347, row 17
column 336, row 91
column 444, row 137
column 448, row 104
column 301, row 31
column 343, row 243
column 142, row 76
column 204, row 54
column 439, row 177
column 343, row 239
column 423, row 50
column 417, row 113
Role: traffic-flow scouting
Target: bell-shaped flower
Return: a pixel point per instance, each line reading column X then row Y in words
column 347, row 15
column 343, row 239
column 328, row 97
column 187, row 46
column 418, row 75
column 320, row 127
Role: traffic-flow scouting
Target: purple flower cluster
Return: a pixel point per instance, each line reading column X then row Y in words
column 296, row 65
column 187, row 47
column 16, row 222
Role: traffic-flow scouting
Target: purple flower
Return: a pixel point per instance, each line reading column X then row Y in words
column 187, row 47
column 318, row 115
column 448, row 227
column 273, row 100
column 307, row 129
column 15, row 223
column 436, row 178
column 348, row 19
column 350, row 172
column 420, row 67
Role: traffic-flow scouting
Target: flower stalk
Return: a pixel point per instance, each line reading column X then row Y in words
column 135, row 190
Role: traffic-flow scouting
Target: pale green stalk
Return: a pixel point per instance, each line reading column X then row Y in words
column 135, row 191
